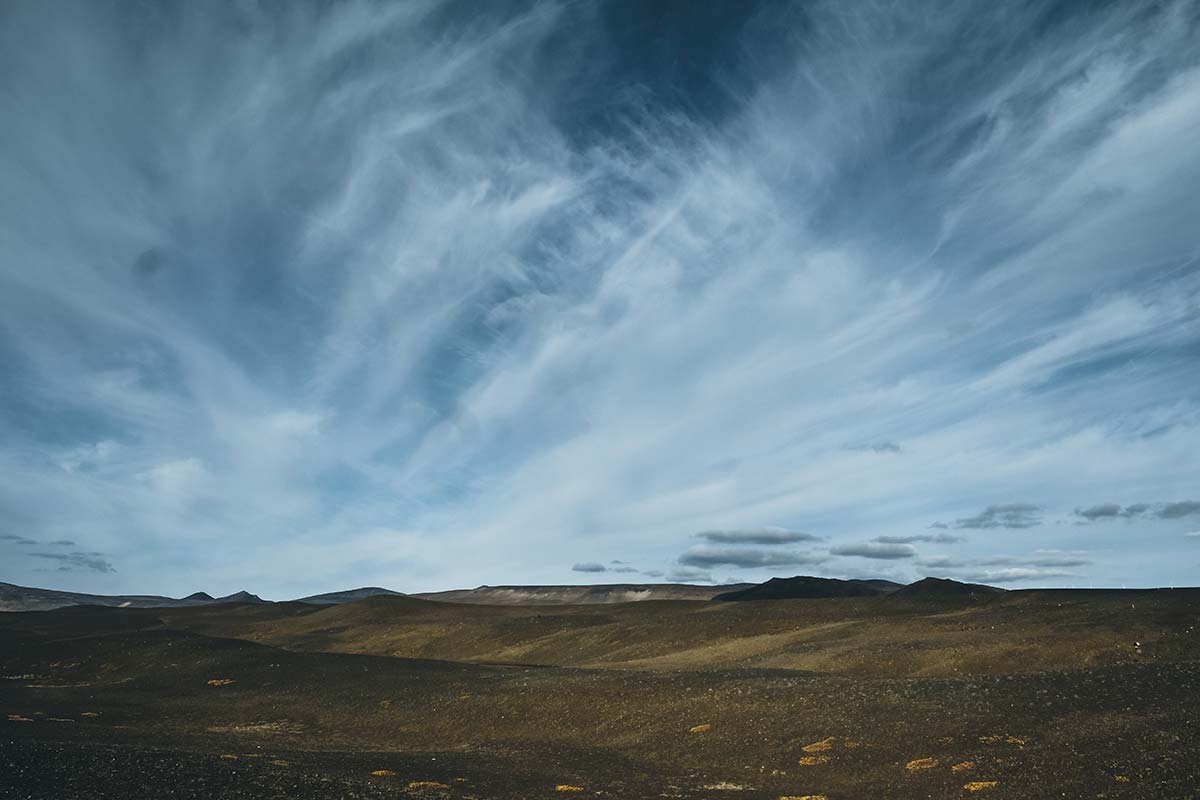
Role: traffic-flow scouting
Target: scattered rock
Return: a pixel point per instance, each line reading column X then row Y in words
column 979, row 786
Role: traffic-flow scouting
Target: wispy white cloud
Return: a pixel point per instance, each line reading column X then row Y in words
column 346, row 294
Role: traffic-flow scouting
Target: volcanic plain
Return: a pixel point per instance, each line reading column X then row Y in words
column 934, row 691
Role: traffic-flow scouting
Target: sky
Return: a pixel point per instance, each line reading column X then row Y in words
column 297, row 297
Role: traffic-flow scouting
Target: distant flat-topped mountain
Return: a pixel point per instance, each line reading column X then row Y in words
column 944, row 587
column 807, row 586
column 579, row 595
column 24, row 598
column 348, row 596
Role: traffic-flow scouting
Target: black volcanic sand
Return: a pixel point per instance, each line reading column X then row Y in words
column 115, row 703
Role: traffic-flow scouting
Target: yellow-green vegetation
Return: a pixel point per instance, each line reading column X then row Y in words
column 417, row 786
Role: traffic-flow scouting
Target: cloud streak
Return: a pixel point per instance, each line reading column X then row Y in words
column 1161, row 511
column 708, row 557
column 761, row 536
column 429, row 295
column 878, row 550
column 1011, row 515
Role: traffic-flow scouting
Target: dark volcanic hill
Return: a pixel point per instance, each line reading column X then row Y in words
column 944, row 587
column 348, row 596
column 808, row 587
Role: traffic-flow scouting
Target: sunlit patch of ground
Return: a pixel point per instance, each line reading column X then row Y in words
column 921, row 763
column 566, row 787
column 997, row 738
column 220, row 681
column 258, row 728
column 979, row 786
column 812, row 761
column 821, row 746
column 963, row 766
column 702, row 728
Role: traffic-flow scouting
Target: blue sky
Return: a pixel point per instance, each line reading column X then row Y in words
column 297, row 297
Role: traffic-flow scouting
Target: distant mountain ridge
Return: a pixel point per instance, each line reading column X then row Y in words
column 22, row 598
column 25, row 598
column 579, row 594
column 944, row 587
column 348, row 596
column 810, row 587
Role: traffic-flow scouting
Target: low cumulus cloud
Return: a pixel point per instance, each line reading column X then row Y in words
column 616, row 566
column 879, row 447
column 1011, row 515
column 880, row 550
column 940, row 562
column 78, row 561
column 1014, row 574
column 934, row 538
column 1040, row 558
column 745, row 557
column 690, row 576
column 1162, row 511
column 1036, row 566
column 763, row 536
